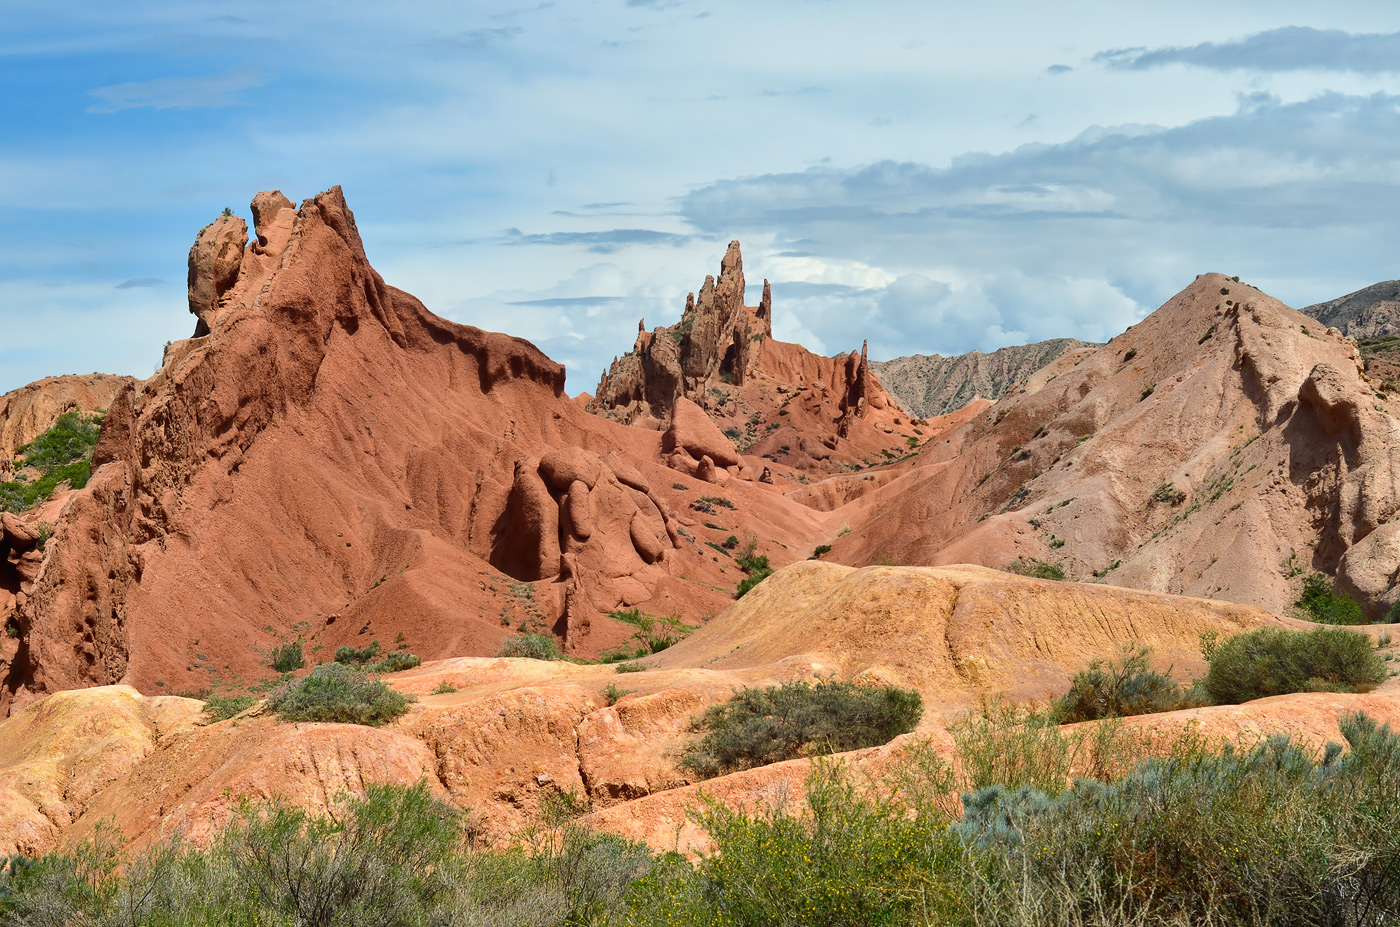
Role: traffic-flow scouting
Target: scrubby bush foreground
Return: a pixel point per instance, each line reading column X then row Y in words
column 776, row 723
column 1266, row 836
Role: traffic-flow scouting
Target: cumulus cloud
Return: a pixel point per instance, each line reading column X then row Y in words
column 1080, row 238
column 211, row 90
column 1290, row 48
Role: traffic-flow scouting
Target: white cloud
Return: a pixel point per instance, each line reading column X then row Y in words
column 175, row 92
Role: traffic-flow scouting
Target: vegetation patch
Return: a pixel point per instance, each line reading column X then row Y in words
column 1321, row 603
column 776, row 723
column 653, row 635
column 63, row 454
column 531, row 647
column 287, row 657
column 1120, row 688
column 338, row 692
column 1036, row 569
column 222, row 707
column 1275, row 661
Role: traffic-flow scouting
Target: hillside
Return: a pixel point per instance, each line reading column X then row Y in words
column 931, row 384
column 1226, row 469
column 1369, row 313
column 512, row 732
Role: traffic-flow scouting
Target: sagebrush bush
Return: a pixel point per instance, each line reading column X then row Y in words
column 222, row 707
column 530, row 646
column 1118, row 689
column 1035, row 569
column 1275, row 661
column 63, row 454
column 287, row 657
column 395, row 662
column 338, row 692
column 357, row 656
column 1321, row 603
column 775, row 723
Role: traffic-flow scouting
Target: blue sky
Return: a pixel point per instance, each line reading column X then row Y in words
column 934, row 177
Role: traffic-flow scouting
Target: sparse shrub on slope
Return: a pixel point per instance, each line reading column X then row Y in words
column 63, row 454
column 776, row 723
column 357, row 656
column 1035, row 569
column 222, row 707
column 396, row 662
column 1118, row 689
column 754, row 564
column 337, row 692
column 1321, row 603
column 530, row 646
column 1274, row 661
column 288, row 657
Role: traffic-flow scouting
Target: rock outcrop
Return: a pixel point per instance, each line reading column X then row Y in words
column 812, row 415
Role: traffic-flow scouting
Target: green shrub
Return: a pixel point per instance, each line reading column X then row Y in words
column 222, row 707
column 1036, row 569
column 288, row 657
column 338, row 692
column 444, row 688
column 1320, row 603
column 819, row 550
column 395, row 662
column 1119, row 689
column 752, row 563
column 775, row 723
column 357, row 656
column 530, row 646
column 653, row 635
column 1274, row 661
column 72, row 437
column 630, row 667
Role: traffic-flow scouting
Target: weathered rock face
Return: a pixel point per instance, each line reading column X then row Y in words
column 936, row 385
column 327, row 459
column 1222, row 468
column 776, row 400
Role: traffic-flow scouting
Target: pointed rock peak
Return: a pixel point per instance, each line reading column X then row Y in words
column 641, row 325
column 765, row 303
column 732, row 262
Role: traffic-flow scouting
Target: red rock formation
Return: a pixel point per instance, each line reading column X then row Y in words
column 326, row 459
column 722, row 357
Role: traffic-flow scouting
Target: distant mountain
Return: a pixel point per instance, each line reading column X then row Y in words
column 931, row 384
column 1373, row 312
column 1372, row 317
